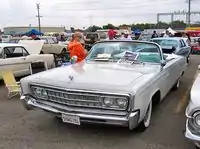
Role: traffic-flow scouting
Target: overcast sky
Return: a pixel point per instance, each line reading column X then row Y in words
column 82, row 13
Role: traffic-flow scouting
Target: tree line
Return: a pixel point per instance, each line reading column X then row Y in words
column 142, row 26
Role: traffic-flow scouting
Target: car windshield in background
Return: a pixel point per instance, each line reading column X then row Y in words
column 130, row 51
column 166, row 42
column 90, row 36
column 14, row 40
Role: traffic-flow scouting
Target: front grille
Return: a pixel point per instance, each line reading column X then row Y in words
column 70, row 98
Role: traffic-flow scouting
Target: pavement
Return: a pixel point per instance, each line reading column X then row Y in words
column 21, row 129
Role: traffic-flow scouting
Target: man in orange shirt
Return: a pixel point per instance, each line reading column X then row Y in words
column 76, row 48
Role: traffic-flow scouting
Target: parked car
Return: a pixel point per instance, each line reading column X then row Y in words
column 5, row 38
column 114, row 85
column 90, row 39
column 174, row 45
column 17, row 57
column 193, row 113
column 50, row 46
column 145, row 37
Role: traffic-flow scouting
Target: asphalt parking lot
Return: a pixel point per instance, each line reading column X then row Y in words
column 21, row 129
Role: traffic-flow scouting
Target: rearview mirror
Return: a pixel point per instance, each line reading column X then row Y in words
column 162, row 63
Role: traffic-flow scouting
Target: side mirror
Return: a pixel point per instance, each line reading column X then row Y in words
column 162, row 63
column 199, row 67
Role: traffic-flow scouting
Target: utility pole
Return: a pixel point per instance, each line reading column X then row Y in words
column 189, row 12
column 91, row 20
column 38, row 16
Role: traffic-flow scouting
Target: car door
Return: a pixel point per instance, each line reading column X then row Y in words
column 14, row 59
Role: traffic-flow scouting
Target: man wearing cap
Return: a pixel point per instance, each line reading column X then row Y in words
column 126, row 35
column 34, row 37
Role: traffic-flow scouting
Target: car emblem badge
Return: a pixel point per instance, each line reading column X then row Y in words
column 71, row 78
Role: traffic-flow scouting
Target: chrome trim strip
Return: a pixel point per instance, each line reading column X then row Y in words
column 189, row 135
column 78, row 90
column 103, row 117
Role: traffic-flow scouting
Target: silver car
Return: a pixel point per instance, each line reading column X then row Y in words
column 118, row 84
column 174, row 45
column 193, row 113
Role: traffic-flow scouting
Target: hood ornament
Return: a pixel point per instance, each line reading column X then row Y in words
column 71, row 77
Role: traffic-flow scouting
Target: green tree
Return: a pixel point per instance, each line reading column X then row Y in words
column 178, row 24
column 93, row 28
column 162, row 25
column 109, row 26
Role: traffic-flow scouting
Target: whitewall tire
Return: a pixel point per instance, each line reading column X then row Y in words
column 145, row 123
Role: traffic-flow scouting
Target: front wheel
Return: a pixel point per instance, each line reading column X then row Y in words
column 145, row 123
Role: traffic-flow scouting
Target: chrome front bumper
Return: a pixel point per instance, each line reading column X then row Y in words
column 130, row 120
column 189, row 135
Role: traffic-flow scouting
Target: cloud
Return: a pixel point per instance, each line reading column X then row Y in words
column 81, row 13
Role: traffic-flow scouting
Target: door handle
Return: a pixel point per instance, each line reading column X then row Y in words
column 23, row 58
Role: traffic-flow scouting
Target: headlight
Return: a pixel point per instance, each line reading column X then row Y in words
column 108, row 101
column 122, row 102
column 196, row 117
column 116, row 103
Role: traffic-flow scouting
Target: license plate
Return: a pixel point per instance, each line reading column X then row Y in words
column 72, row 119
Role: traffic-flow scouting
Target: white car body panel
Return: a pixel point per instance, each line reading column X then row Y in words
column 192, row 131
column 20, row 65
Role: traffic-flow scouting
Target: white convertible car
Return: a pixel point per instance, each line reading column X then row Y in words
column 118, row 84
column 193, row 113
column 17, row 57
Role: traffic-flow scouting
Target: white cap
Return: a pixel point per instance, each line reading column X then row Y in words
column 126, row 32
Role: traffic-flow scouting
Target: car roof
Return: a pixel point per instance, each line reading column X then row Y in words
column 2, row 45
column 47, row 37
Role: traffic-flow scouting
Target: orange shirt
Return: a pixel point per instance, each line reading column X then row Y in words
column 76, row 49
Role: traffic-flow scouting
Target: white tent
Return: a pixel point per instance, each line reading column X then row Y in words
column 171, row 31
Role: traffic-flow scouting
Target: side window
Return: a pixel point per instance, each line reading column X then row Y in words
column 1, row 54
column 25, row 53
column 51, row 41
column 12, row 52
column 182, row 44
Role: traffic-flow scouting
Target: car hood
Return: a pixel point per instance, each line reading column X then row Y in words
column 33, row 46
column 94, row 76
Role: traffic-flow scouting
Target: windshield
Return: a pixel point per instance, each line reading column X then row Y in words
column 14, row 40
column 130, row 51
column 90, row 36
column 166, row 42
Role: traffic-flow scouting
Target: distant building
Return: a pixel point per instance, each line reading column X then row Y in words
column 20, row 30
